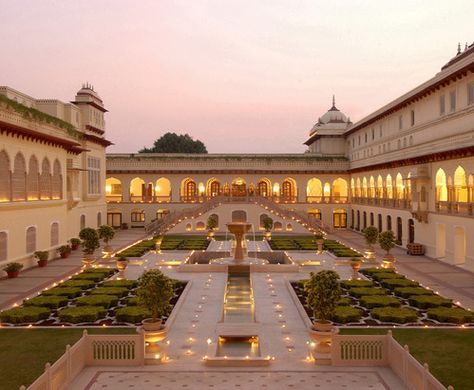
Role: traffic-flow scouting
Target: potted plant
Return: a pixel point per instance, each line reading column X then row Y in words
column 124, row 226
column 323, row 291
column 268, row 226
column 387, row 242
column 371, row 235
column 212, row 223
column 319, row 237
column 13, row 269
column 121, row 262
column 106, row 233
column 90, row 242
column 42, row 257
column 154, row 292
column 64, row 251
column 75, row 242
column 355, row 263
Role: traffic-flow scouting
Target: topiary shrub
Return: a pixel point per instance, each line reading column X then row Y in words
column 75, row 315
column 371, row 301
column 117, row 291
column 90, row 241
column 70, row 292
column 154, row 292
column 20, row 315
column 121, row 283
column 105, row 301
column 394, row 283
column 406, row 292
column 427, row 301
column 378, row 276
column 344, row 301
column 361, row 291
column 132, row 314
column 323, row 291
column 453, row 315
column 356, row 283
column 104, row 271
column 96, row 277
column 83, row 284
column 373, row 271
column 52, row 302
column 345, row 314
column 133, row 301
column 398, row 315
column 106, row 233
column 387, row 241
column 371, row 235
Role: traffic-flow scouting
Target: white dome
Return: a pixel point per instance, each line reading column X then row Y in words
column 333, row 116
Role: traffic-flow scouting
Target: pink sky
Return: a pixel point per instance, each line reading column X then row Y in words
column 241, row 76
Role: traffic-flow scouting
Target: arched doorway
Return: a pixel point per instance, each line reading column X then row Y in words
column 239, row 216
column 339, row 217
column 459, row 245
column 188, row 190
column 364, row 220
column 239, row 187
column 389, row 222
column 399, row 230
column 288, row 190
column 380, row 222
column 264, row 188
column 411, row 231
column 314, row 191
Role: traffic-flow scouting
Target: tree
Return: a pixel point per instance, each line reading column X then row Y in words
column 155, row 291
column 371, row 235
column 174, row 143
column 323, row 291
column 106, row 233
column 267, row 223
column 387, row 241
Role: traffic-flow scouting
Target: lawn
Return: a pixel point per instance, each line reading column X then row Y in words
column 24, row 352
column 447, row 351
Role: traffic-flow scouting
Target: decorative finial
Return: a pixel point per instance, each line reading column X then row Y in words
column 459, row 48
column 333, row 100
column 465, row 47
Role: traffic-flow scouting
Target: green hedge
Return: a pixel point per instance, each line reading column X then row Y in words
column 121, row 283
column 344, row 301
column 379, row 276
column 133, row 301
column 345, row 314
column 139, row 249
column 96, row 277
column 356, row 283
column 394, row 283
column 100, row 270
column 406, row 292
column 20, row 315
column 427, row 301
column 52, row 302
column 454, row 315
column 399, row 315
column 117, row 291
column 132, row 314
column 83, row 284
column 70, row 292
column 361, row 291
column 371, row 301
column 373, row 271
column 105, row 301
column 80, row 314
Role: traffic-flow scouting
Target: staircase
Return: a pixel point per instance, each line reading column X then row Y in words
column 161, row 226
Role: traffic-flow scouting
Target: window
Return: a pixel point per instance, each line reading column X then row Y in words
column 373, row 134
column 365, row 137
column 353, row 142
column 359, row 140
column 30, row 239
column 380, row 131
column 82, row 222
column 99, row 219
column 3, row 246
column 442, row 105
column 412, row 117
column 400, row 122
column 470, row 93
column 93, row 166
column 54, row 234
column 452, row 101
column 138, row 216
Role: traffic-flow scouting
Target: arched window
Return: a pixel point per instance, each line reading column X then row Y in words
column 263, row 188
column 400, row 186
column 45, row 180
column 277, row 226
column 364, row 187
column 189, row 227
column 364, row 220
column 389, row 222
column 213, row 187
column 31, row 239
column 137, row 189
column 399, row 230
column 314, row 191
column 200, row 226
column 99, row 219
column 358, row 220
column 289, row 227
column 216, row 218
column 389, row 187
column 339, row 218
column 189, row 190
column 3, row 246
column 163, row 190
column 54, row 233
column 371, row 187
column 239, row 216
column 380, row 223
column 441, row 187
column 19, row 178
column 288, row 190
column 339, row 190
column 380, row 191
column 82, row 222
column 113, row 189
column 5, row 179
column 57, row 181
column 32, row 179
column 460, row 187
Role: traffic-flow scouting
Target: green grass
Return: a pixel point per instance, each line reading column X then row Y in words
column 24, row 352
column 447, row 351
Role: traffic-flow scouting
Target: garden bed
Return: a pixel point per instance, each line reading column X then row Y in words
column 87, row 299
column 388, row 299
column 171, row 242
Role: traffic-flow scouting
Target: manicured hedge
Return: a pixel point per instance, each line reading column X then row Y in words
column 340, row 250
column 70, row 292
column 100, row 270
column 132, row 314
column 427, row 301
column 133, row 301
column 139, row 249
column 454, row 315
column 80, row 314
column 356, row 283
column 117, row 291
column 371, row 301
column 184, row 243
column 406, row 292
column 361, row 291
column 373, row 271
column 20, row 315
column 96, row 277
column 379, row 276
column 344, row 301
column 345, row 314
column 121, row 283
column 394, row 283
column 83, row 284
column 105, row 301
column 52, row 302
column 399, row 315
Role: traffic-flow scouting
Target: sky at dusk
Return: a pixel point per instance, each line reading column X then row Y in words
column 241, row 76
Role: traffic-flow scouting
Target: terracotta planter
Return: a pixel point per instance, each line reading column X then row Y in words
column 12, row 275
column 74, row 246
column 152, row 326
column 121, row 265
column 268, row 235
column 370, row 254
column 64, row 255
column 88, row 260
column 387, row 261
column 42, row 263
column 356, row 265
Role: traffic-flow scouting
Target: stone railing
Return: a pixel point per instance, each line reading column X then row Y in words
column 91, row 350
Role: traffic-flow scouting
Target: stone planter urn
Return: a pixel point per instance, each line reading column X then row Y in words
column 321, row 333
column 388, row 260
column 121, row 264
column 152, row 326
column 88, row 260
column 320, row 243
column 370, row 254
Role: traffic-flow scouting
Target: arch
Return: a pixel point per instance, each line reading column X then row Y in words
column 353, row 193
column 288, row 190
column 200, row 226
column 54, row 234
column 277, row 226
column 358, row 193
column 327, row 192
column 264, row 186
column 339, row 218
column 364, row 187
column 57, row 181
column 289, row 227
column 371, row 187
column 113, row 189
column 339, row 190
column 314, row 190
column 99, row 219
column 389, row 222
column 441, row 187
column 189, row 227
column 239, row 187
column 460, row 185
column 389, row 186
column 399, row 230
column 3, row 246
column 82, row 222
column 315, row 213
column 162, row 190
column 400, row 187
column 45, row 180
column 371, row 219
column 188, row 190
column 5, row 177
column 213, row 187
column 261, row 219
column 137, row 189
column 380, row 186
column 32, row 179
column 19, row 178
column 411, row 231
column 459, row 245
column 239, row 216
column 216, row 217
column 30, row 239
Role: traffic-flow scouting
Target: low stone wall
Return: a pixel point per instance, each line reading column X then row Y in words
column 205, row 256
